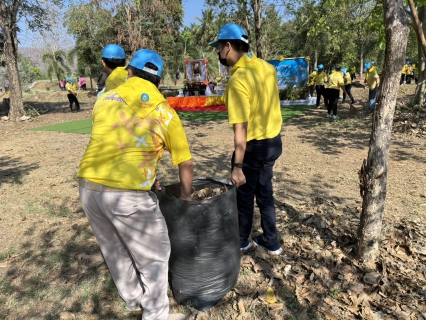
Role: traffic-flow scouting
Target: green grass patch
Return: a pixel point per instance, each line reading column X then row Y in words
column 79, row 127
column 85, row 126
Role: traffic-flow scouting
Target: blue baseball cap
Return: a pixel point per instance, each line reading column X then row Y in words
column 320, row 66
column 367, row 65
column 113, row 51
column 230, row 31
column 343, row 69
column 316, row 69
column 143, row 56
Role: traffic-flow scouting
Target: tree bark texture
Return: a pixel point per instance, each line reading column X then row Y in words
column 8, row 25
column 373, row 173
column 257, row 10
column 420, row 95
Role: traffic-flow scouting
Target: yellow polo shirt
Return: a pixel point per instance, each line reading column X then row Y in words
column 117, row 77
column 335, row 81
column 252, row 96
column 347, row 78
column 371, row 77
column 71, row 88
column 320, row 78
column 132, row 125
column 311, row 79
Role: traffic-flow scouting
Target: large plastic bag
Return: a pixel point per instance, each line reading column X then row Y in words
column 205, row 247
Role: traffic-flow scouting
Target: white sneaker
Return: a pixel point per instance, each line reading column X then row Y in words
column 275, row 252
column 248, row 247
column 328, row 115
column 336, row 117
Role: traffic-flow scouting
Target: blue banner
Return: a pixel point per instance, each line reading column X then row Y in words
column 291, row 72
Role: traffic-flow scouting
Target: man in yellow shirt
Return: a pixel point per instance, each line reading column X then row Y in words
column 253, row 104
column 409, row 74
column 334, row 83
column 372, row 80
column 71, row 88
column 347, row 79
column 114, row 61
column 320, row 81
column 403, row 74
column 132, row 126
column 311, row 82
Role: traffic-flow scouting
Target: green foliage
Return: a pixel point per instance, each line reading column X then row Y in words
column 56, row 64
column 27, row 71
column 290, row 93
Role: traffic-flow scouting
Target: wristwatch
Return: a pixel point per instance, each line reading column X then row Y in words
column 238, row 165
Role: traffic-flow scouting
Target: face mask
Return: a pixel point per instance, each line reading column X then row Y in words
column 223, row 61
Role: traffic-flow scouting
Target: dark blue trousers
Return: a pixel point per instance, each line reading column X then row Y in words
column 259, row 160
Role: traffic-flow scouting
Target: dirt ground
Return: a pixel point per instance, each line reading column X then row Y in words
column 51, row 266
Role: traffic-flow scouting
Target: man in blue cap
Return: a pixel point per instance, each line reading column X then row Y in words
column 132, row 126
column 372, row 80
column 114, row 62
column 320, row 81
column 253, row 104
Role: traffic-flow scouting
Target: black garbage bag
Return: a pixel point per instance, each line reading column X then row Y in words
column 205, row 247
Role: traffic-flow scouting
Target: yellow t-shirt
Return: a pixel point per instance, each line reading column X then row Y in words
column 409, row 70
column 353, row 69
column 404, row 69
column 132, row 125
column 252, row 96
column 117, row 77
column 347, row 78
column 371, row 77
column 311, row 79
column 335, row 81
column 320, row 78
column 71, row 88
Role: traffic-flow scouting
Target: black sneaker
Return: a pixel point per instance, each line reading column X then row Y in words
column 258, row 242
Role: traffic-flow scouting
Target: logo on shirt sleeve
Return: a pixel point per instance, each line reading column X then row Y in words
column 145, row 97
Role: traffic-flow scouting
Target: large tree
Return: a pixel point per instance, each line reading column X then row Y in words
column 374, row 171
column 11, row 13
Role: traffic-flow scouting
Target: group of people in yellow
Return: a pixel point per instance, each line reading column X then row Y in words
column 407, row 73
column 328, row 86
column 133, row 125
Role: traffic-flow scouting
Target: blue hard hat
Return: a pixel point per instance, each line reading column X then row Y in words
column 367, row 65
column 320, row 66
column 316, row 69
column 143, row 56
column 113, row 51
column 343, row 69
column 69, row 80
column 230, row 31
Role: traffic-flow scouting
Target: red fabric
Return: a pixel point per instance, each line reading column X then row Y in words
column 195, row 104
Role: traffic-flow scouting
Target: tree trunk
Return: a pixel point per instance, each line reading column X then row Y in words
column 11, row 53
column 373, row 173
column 421, row 84
column 257, row 10
column 361, row 61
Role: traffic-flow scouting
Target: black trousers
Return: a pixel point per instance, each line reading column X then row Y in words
column 402, row 79
column 73, row 99
column 348, row 91
column 332, row 97
column 320, row 92
column 259, row 160
column 6, row 105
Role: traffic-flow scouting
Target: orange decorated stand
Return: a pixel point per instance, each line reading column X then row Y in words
column 194, row 98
